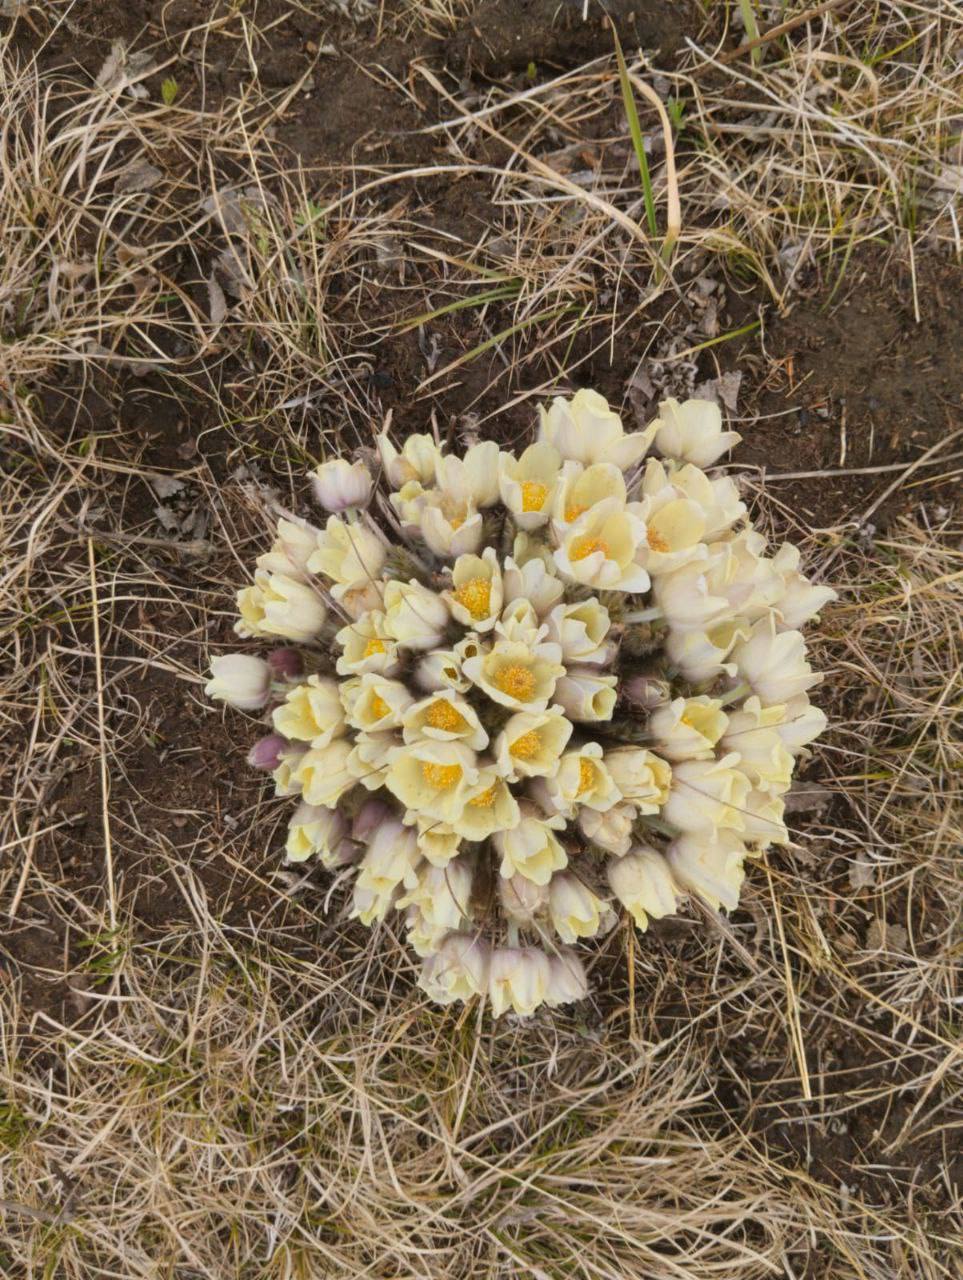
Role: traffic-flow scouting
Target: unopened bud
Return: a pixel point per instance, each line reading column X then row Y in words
column 268, row 752
column 285, row 664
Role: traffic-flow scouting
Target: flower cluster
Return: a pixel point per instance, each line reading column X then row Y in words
column 529, row 689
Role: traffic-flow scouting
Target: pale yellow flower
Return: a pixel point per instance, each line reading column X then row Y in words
column 753, row 731
column 515, row 676
column 489, row 806
column 611, row 830
column 600, row 549
column 586, row 695
column 378, row 704
column 763, row 823
column 340, row 485
column 441, row 896
column 431, row 779
column 674, row 529
column 532, row 581
column 292, row 549
column 800, row 599
column 349, row 555
column 323, row 773
column 575, row 910
column 437, row 841
column 280, row 605
column 518, row 980
column 473, row 478
column 311, row 712
column 447, row 718
column 701, row 654
column 583, row 778
column 586, row 430
column 642, row 777
column 241, row 680
column 707, row 795
column 367, row 646
column 531, row 743
column 441, row 669
column 313, row 829
column 692, row 432
column 527, row 484
column 710, row 865
column 643, row 883
column 531, row 849
column 567, row 980
column 370, row 758
column 475, row 595
column 580, row 629
column 458, row 970
column 581, row 489
column 687, row 728
column 414, row 616
column 774, row 663
column 416, row 460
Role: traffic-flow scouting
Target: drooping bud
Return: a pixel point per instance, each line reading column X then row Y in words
column 339, row 485
column 372, row 814
column 267, row 753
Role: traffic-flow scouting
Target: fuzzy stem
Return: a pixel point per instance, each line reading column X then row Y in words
column 644, row 615
column 734, row 695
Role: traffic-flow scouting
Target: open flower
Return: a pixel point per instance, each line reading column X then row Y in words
column 688, row 728
column 379, row 704
column 367, row 646
column 600, row 549
column 582, row 488
column 316, row 830
column 322, row 773
column 532, row 581
column 531, row 849
column 530, row 744
column 472, row 479
column 433, row 778
column 475, row 596
column 585, row 694
column 611, row 830
column 445, row 717
column 773, row 662
column 415, row 461
column 753, row 731
column 292, row 549
column 692, row 432
column 586, row 430
column 643, row 883
column 527, row 484
column 583, row 779
column 348, row 555
column 489, row 806
column 311, row 712
column 513, row 675
column 580, row 630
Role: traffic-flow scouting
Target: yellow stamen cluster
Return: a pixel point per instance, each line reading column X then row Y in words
column 518, row 682
column 379, row 708
column 442, row 715
column 656, row 540
column 485, row 798
column 586, row 776
column 526, row 746
column 372, row 647
column 533, row 495
column 573, row 511
column 587, row 546
column 441, row 776
column 475, row 595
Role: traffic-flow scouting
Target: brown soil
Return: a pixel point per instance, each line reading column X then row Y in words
column 856, row 382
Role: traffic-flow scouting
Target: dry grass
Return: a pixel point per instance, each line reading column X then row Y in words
column 246, row 1086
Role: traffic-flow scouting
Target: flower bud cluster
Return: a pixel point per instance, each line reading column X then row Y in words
column 578, row 685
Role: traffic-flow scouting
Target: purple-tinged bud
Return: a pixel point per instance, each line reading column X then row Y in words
column 647, row 692
column 268, row 752
column 372, row 815
column 285, row 664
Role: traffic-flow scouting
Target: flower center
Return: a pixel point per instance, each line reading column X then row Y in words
column 586, row 776
column 442, row 715
column 379, row 708
column 372, row 647
column 587, row 546
column 475, row 595
column 533, row 495
column 485, row 799
column 656, row 540
column 440, row 776
column 518, row 682
column 573, row 511
column 526, row 746
column 687, row 720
